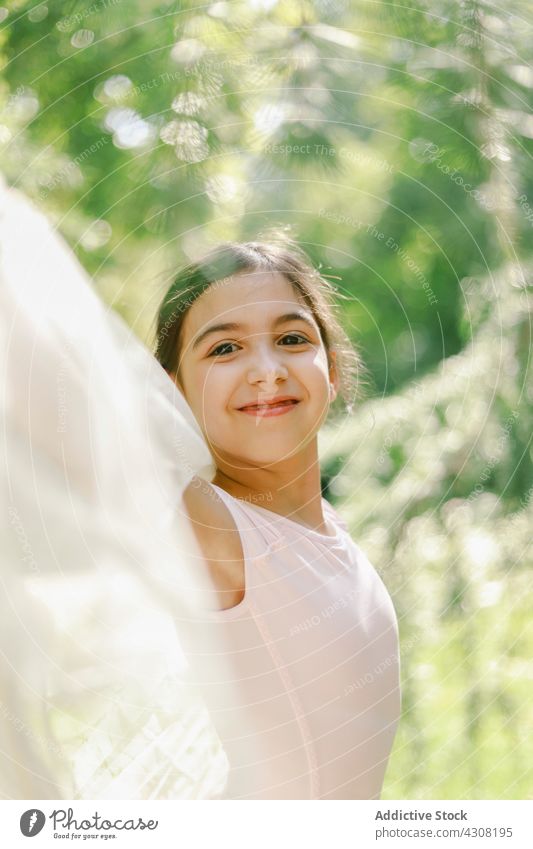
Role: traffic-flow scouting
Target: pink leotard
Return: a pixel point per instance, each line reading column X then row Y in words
column 312, row 651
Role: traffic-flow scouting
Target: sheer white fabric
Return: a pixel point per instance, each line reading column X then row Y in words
column 97, row 560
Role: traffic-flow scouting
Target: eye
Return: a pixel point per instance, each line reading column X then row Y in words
column 222, row 349
column 294, row 336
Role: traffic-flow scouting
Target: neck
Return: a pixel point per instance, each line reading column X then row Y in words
column 290, row 488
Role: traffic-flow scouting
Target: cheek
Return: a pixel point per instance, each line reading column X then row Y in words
column 317, row 372
column 215, row 384
column 318, row 387
column 211, row 393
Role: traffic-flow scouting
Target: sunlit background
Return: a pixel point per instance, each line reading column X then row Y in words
column 393, row 141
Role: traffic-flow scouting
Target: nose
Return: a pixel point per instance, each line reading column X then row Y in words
column 267, row 370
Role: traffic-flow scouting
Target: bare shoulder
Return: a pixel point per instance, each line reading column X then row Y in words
column 219, row 541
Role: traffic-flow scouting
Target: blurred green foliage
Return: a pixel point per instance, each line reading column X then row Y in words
column 394, row 141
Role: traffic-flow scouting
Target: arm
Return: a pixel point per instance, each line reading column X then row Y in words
column 219, row 541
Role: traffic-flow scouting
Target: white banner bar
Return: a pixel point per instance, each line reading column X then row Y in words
column 269, row 825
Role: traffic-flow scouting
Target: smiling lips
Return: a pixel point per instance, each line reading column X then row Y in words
column 274, row 407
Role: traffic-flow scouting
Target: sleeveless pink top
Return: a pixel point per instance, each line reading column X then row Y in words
column 312, row 653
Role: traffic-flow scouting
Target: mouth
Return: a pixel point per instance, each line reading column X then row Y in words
column 274, row 407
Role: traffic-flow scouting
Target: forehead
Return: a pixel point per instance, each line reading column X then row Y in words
column 254, row 296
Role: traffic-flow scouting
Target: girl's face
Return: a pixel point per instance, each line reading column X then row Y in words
column 254, row 369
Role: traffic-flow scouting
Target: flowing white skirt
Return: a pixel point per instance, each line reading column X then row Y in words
column 97, row 556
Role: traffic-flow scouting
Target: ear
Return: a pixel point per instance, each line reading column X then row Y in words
column 334, row 381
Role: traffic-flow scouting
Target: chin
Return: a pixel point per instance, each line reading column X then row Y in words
column 248, row 455
column 270, row 455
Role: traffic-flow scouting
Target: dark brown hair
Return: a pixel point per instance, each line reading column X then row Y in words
column 285, row 258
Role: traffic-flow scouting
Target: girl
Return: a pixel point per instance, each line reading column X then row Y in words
column 250, row 337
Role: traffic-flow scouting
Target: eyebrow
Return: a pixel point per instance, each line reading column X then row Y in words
column 232, row 325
